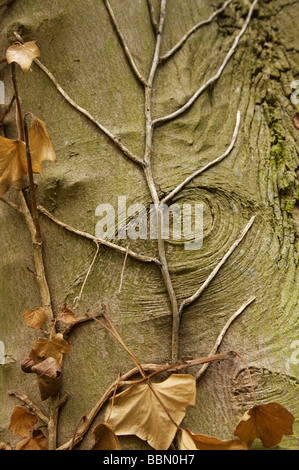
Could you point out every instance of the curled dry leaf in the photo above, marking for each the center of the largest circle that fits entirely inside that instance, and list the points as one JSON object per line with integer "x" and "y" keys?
{"x": 48, "y": 372}
{"x": 37, "y": 441}
{"x": 268, "y": 422}
{"x": 35, "y": 318}
{"x": 49, "y": 368}
{"x": 140, "y": 411}
{"x": 105, "y": 438}
{"x": 66, "y": 315}
{"x": 28, "y": 362}
{"x": 22, "y": 54}
{"x": 22, "y": 421}
{"x": 54, "y": 347}
{"x": 13, "y": 164}
{"x": 190, "y": 441}
{"x": 48, "y": 386}
{"x": 41, "y": 148}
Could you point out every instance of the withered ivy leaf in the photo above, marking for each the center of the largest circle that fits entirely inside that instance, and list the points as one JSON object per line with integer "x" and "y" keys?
{"x": 48, "y": 386}
{"x": 22, "y": 54}
{"x": 35, "y": 318}
{"x": 138, "y": 411}
{"x": 13, "y": 164}
{"x": 54, "y": 347}
{"x": 268, "y": 422}
{"x": 190, "y": 441}
{"x": 105, "y": 438}
{"x": 22, "y": 421}
{"x": 37, "y": 441}
{"x": 49, "y": 368}
{"x": 40, "y": 144}
{"x": 66, "y": 315}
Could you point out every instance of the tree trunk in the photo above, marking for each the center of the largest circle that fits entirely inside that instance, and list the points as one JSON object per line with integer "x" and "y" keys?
{"x": 79, "y": 44}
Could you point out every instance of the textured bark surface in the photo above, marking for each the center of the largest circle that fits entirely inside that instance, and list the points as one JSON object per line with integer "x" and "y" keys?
{"x": 260, "y": 177}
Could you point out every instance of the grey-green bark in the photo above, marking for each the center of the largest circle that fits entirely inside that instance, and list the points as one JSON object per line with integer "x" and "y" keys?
{"x": 79, "y": 45}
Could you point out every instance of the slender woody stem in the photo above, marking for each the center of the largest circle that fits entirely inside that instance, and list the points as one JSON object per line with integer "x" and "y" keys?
{"x": 151, "y": 184}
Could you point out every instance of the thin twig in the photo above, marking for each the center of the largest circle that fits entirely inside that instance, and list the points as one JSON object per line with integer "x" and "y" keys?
{"x": 123, "y": 271}
{"x": 152, "y": 16}
{"x": 83, "y": 419}
{"x": 32, "y": 185}
{"x": 78, "y": 299}
{"x": 132, "y": 254}
{"x": 33, "y": 407}
{"x": 193, "y": 30}
{"x": 249, "y": 375}
{"x": 116, "y": 335}
{"x": 152, "y": 186}
{"x": 19, "y": 116}
{"x": 198, "y": 293}
{"x": 86, "y": 113}
{"x": 10, "y": 204}
{"x": 213, "y": 79}
{"x": 209, "y": 165}
{"x": 124, "y": 44}
{"x": 223, "y": 332}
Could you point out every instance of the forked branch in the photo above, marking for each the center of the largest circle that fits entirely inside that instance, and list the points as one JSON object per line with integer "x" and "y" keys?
{"x": 213, "y": 79}
{"x": 180, "y": 43}
{"x": 198, "y": 293}
{"x": 124, "y": 44}
{"x": 86, "y": 113}
{"x": 206, "y": 167}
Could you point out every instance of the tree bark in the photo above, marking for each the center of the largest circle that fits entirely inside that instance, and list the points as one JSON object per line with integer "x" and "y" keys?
{"x": 79, "y": 44}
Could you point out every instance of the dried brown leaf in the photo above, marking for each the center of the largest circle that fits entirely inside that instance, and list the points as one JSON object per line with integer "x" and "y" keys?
{"x": 190, "y": 441}
{"x": 54, "y": 347}
{"x": 268, "y": 422}
{"x": 48, "y": 387}
{"x": 13, "y": 164}
{"x": 41, "y": 148}
{"x": 105, "y": 438}
{"x": 35, "y": 318}
{"x": 38, "y": 441}
{"x": 22, "y": 54}
{"x": 49, "y": 368}
{"x": 66, "y": 315}
{"x": 27, "y": 363}
{"x": 22, "y": 421}
{"x": 138, "y": 411}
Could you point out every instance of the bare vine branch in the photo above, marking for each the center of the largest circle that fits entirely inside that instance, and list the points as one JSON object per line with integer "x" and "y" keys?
{"x": 206, "y": 167}
{"x": 132, "y": 254}
{"x": 223, "y": 332}
{"x": 213, "y": 79}
{"x": 77, "y": 299}
{"x": 86, "y": 113}
{"x": 152, "y": 16}
{"x": 198, "y": 293}
{"x": 193, "y": 30}
{"x": 124, "y": 44}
